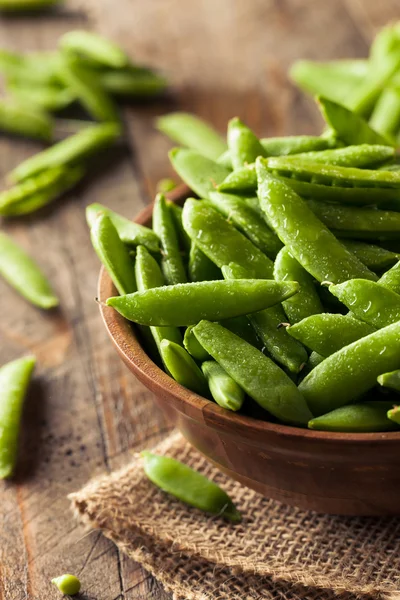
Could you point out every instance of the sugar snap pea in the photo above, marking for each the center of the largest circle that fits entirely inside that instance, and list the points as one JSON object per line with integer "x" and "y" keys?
{"x": 225, "y": 391}
{"x": 351, "y": 371}
{"x": 362, "y": 155}
{"x": 266, "y": 323}
{"x": 200, "y": 267}
{"x": 71, "y": 150}
{"x": 242, "y": 181}
{"x": 132, "y": 83}
{"x": 373, "y": 257}
{"x": 356, "y": 418}
{"x": 38, "y": 191}
{"x": 244, "y": 146}
{"x": 188, "y": 485}
{"x": 327, "y": 333}
{"x": 113, "y": 254}
{"x": 369, "y": 301}
{"x": 23, "y": 119}
{"x": 163, "y": 225}
{"x": 194, "y": 133}
{"x": 221, "y": 242}
{"x": 14, "y": 380}
{"x": 69, "y": 585}
{"x": 22, "y": 273}
{"x": 385, "y": 117}
{"x": 48, "y": 97}
{"x": 193, "y": 347}
{"x": 131, "y": 233}
{"x": 314, "y": 359}
{"x": 248, "y": 221}
{"x": 187, "y": 303}
{"x": 257, "y": 374}
{"x": 309, "y": 241}
{"x": 394, "y": 414}
{"x": 185, "y": 242}
{"x": 357, "y": 222}
{"x": 390, "y": 380}
{"x": 391, "y": 279}
{"x": 307, "y": 301}
{"x": 148, "y": 276}
{"x": 94, "y": 47}
{"x": 30, "y": 68}
{"x": 200, "y": 173}
{"x": 85, "y": 86}
{"x": 182, "y": 367}
{"x": 349, "y": 126}
{"x": 26, "y": 5}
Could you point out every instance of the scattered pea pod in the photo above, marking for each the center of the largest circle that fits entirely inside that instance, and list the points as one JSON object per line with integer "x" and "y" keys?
{"x": 309, "y": 241}
{"x": 71, "y": 150}
{"x": 255, "y": 373}
{"x": 352, "y": 371}
{"x": 94, "y": 47}
{"x": 48, "y": 97}
{"x": 357, "y": 418}
{"x": 69, "y": 585}
{"x": 14, "y": 380}
{"x": 163, "y": 225}
{"x": 188, "y": 303}
{"x": 22, "y": 273}
{"x": 192, "y": 132}
{"x": 224, "y": 389}
{"x": 130, "y": 83}
{"x": 189, "y": 486}
{"x": 24, "y": 119}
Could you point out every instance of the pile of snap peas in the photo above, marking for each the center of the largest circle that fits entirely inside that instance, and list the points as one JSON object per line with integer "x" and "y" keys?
{"x": 279, "y": 283}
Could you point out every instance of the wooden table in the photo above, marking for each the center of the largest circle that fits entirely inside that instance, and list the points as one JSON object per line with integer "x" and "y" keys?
{"x": 85, "y": 413}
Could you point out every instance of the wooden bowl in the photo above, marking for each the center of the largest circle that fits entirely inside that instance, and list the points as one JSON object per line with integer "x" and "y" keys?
{"x": 340, "y": 473}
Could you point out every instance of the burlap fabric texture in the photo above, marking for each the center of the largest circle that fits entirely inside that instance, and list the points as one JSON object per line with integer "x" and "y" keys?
{"x": 277, "y": 552}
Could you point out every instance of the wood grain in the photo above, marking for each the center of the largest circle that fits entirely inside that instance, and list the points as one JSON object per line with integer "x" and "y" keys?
{"x": 86, "y": 413}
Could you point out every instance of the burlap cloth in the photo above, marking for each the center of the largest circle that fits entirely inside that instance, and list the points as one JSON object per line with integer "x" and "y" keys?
{"x": 277, "y": 552}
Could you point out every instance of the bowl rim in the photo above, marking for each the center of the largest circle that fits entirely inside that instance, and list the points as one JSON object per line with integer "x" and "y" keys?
{"x": 129, "y": 347}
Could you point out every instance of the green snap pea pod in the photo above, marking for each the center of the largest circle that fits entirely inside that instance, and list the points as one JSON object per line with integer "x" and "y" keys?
{"x": 22, "y": 273}
{"x": 132, "y": 234}
{"x": 391, "y": 279}
{"x": 225, "y": 159}
{"x": 369, "y": 301}
{"x": 350, "y": 127}
{"x": 27, "y": 120}
{"x": 314, "y": 359}
{"x": 242, "y": 327}
{"x": 362, "y": 155}
{"x": 30, "y": 68}
{"x": 130, "y": 83}
{"x": 183, "y": 368}
{"x": 187, "y": 303}
{"x": 390, "y": 380}
{"x": 14, "y": 380}
{"x": 113, "y": 254}
{"x": 148, "y": 276}
{"x": 307, "y": 301}
{"x": 69, "y": 585}
{"x": 254, "y": 372}
{"x": 185, "y": 242}
{"x": 87, "y": 89}
{"x": 327, "y": 333}
{"x": 163, "y": 225}
{"x": 351, "y": 371}
{"x": 194, "y": 133}
{"x": 200, "y": 173}
{"x": 26, "y": 5}
{"x": 327, "y": 174}
{"x": 225, "y": 391}
{"x": 357, "y": 418}
{"x": 244, "y": 146}
{"x": 248, "y": 221}
{"x": 373, "y": 257}
{"x": 32, "y": 194}
{"x": 48, "y": 97}
{"x": 193, "y": 347}
{"x": 71, "y": 150}
{"x": 221, "y": 242}
{"x": 241, "y": 181}
{"x": 357, "y": 222}
{"x": 266, "y": 323}
{"x": 189, "y": 486}
{"x": 385, "y": 117}
{"x": 200, "y": 267}
{"x": 94, "y": 47}
{"x": 334, "y": 79}
{"x": 307, "y": 238}
{"x": 394, "y": 414}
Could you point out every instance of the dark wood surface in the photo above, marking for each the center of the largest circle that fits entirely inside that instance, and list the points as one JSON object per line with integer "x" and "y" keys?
{"x": 86, "y": 413}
